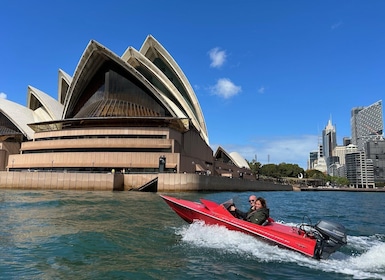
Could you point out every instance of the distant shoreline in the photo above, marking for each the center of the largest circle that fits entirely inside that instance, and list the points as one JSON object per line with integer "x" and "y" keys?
{"x": 343, "y": 189}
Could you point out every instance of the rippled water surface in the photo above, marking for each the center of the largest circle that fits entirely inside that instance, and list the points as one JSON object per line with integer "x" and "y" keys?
{"x": 131, "y": 235}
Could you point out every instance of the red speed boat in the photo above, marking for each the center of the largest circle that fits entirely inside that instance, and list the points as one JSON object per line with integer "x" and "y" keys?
{"x": 318, "y": 241}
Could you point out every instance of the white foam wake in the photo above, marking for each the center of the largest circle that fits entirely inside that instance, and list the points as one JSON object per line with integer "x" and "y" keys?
{"x": 362, "y": 258}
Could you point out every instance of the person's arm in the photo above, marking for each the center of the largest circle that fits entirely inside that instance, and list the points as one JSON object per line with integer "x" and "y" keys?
{"x": 258, "y": 217}
{"x": 240, "y": 214}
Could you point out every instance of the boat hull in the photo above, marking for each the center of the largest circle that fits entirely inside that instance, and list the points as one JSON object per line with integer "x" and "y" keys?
{"x": 212, "y": 213}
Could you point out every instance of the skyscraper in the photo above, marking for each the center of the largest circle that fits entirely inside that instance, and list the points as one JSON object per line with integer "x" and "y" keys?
{"x": 367, "y": 129}
{"x": 329, "y": 142}
{"x": 366, "y": 124}
{"x": 359, "y": 170}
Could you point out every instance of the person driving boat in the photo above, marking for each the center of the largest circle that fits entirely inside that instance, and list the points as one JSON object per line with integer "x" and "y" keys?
{"x": 257, "y": 213}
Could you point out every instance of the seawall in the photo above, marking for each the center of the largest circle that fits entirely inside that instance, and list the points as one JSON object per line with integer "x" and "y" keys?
{"x": 166, "y": 182}
{"x": 342, "y": 189}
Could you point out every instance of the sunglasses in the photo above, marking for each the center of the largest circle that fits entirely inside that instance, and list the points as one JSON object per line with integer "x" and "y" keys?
{"x": 252, "y": 200}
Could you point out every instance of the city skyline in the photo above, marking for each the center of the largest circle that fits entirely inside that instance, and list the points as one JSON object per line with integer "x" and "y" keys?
{"x": 267, "y": 78}
{"x": 369, "y": 120}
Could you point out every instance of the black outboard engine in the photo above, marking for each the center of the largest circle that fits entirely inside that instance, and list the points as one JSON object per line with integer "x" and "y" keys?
{"x": 332, "y": 237}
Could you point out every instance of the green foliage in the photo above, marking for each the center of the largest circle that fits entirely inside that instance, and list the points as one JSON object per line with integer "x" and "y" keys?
{"x": 270, "y": 170}
{"x": 290, "y": 170}
{"x": 333, "y": 180}
{"x": 285, "y": 170}
{"x": 276, "y": 171}
{"x": 254, "y": 166}
{"x": 315, "y": 174}
{"x": 337, "y": 181}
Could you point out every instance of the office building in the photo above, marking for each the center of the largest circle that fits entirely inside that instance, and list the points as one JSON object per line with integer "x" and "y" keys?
{"x": 375, "y": 151}
{"x": 366, "y": 124}
{"x": 359, "y": 170}
{"x": 329, "y": 142}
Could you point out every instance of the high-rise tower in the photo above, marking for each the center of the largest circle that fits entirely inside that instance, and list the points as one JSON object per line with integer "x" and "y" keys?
{"x": 364, "y": 166}
{"x": 366, "y": 124}
{"x": 329, "y": 142}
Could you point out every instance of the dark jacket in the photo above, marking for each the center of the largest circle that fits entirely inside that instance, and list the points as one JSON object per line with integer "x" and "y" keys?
{"x": 258, "y": 216}
{"x": 242, "y": 215}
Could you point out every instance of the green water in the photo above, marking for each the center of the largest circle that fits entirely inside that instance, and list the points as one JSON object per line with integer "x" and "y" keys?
{"x": 132, "y": 235}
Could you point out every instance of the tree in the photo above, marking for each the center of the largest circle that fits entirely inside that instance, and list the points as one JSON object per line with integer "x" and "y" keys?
{"x": 270, "y": 170}
{"x": 255, "y": 166}
{"x": 339, "y": 181}
{"x": 274, "y": 170}
{"x": 290, "y": 170}
{"x": 315, "y": 174}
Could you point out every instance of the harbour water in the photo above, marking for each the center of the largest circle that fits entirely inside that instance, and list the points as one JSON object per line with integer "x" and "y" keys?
{"x": 133, "y": 235}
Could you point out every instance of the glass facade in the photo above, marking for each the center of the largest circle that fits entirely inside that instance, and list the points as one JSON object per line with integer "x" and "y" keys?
{"x": 367, "y": 124}
{"x": 375, "y": 150}
{"x": 118, "y": 96}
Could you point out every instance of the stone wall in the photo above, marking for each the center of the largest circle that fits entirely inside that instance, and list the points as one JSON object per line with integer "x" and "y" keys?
{"x": 167, "y": 182}
{"x": 57, "y": 181}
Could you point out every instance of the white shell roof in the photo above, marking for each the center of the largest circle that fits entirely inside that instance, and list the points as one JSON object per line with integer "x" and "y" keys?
{"x": 151, "y": 42}
{"x": 52, "y": 107}
{"x": 134, "y": 57}
{"x": 235, "y": 157}
{"x": 92, "y": 59}
{"x": 19, "y": 115}
{"x": 239, "y": 160}
{"x": 62, "y": 77}
{"x": 180, "y": 104}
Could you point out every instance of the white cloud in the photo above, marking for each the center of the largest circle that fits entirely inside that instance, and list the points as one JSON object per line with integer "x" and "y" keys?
{"x": 3, "y": 95}
{"x": 336, "y": 25}
{"x": 288, "y": 149}
{"x": 262, "y": 89}
{"x": 225, "y": 88}
{"x": 218, "y": 57}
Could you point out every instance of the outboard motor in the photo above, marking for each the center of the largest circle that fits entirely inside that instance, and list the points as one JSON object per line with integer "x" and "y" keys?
{"x": 332, "y": 237}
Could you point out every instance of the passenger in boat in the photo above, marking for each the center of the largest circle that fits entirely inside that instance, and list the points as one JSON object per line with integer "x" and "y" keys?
{"x": 261, "y": 212}
{"x": 258, "y": 212}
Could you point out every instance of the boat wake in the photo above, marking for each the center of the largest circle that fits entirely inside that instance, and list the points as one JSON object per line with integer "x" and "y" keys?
{"x": 363, "y": 257}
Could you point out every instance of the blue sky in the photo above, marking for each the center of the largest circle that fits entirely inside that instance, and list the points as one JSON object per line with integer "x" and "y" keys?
{"x": 268, "y": 74}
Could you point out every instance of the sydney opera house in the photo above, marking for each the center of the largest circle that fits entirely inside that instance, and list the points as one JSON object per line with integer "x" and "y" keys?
{"x": 134, "y": 114}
